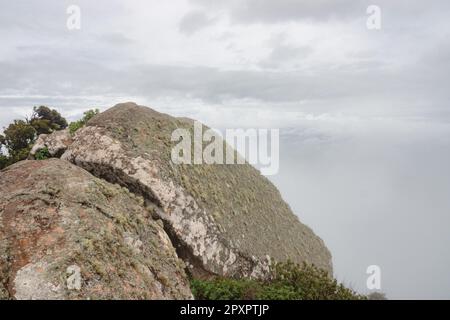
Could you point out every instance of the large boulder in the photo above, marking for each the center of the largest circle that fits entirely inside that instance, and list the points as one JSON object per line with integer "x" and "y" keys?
{"x": 223, "y": 219}
{"x": 55, "y": 143}
{"x": 65, "y": 234}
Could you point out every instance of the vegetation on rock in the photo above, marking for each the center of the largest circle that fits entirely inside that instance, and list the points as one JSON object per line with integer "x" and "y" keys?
{"x": 18, "y": 138}
{"x": 88, "y": 115}
{"x": 42, "y": 154}
{"x": 287, "y": 281}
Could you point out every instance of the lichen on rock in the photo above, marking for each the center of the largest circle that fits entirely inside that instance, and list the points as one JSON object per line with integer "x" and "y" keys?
{"x": 223, "y": 219}
{"x": 65, "y": 234}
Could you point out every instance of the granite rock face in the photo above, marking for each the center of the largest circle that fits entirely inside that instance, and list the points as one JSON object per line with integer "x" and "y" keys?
{"x": 56, "y": 143}
{"x": 65, "y": 234}
{"x": 223, "y": 219}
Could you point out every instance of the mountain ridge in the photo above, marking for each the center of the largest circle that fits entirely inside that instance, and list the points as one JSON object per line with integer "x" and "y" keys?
{"x": 223, "y": 220}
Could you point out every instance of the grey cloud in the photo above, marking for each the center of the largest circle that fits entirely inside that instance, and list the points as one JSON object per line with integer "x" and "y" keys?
{"x": 50, "y": 17}
{"x": 194, "y": 21}
{"x": 289, "y": 10}
{"x": 282, "y": 11}
{"x": 283, "y": 53}
{"x": 268, "y": 11}
{"x": 115, "y": 39}
{"x": 63, "y": 75}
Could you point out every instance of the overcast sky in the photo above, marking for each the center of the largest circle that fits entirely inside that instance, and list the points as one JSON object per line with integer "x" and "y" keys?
{"x": 364, "y": 114}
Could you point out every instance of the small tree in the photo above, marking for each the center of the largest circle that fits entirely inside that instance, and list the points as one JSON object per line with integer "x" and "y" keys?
{"x": 19, "y": 136}
{"x": 45, "y": 120}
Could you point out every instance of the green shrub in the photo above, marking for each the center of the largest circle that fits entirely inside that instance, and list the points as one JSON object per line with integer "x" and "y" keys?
{"x": 287, "y": 281}
{"x": 74, "y": 126}
{"x": 42, "y": 154}
{"x": 377, "y": 296}
{"x": 224, "y": 289}
{"x": 88, "y": 115}
{"x": 18, "y": 138}
{"x": 4, "y": 161}
{"x": 46, "y": 120}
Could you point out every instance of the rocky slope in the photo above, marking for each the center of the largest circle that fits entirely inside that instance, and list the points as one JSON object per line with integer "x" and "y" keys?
{"x": 222, "y": 219}
{"x": 65, "y": 234}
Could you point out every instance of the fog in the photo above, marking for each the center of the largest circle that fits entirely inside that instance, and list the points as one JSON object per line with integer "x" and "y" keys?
{"x": 378, "y": 197}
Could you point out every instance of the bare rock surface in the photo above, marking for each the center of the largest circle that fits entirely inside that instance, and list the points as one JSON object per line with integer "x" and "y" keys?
{"x": 223, "y": 219}
{"x": 65, "y": 234}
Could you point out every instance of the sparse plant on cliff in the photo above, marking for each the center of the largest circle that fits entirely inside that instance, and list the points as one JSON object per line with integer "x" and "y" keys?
{"x": 287, "y": 281}
{"x": 42, "y": 154}
{"x": 88, "y": 115}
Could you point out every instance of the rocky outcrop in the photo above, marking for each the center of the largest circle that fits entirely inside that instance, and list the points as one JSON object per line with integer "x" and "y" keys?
{"x": 223, "y": 219}
{"x": 56, "y": 143}
{"x": 65, "y": 234}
